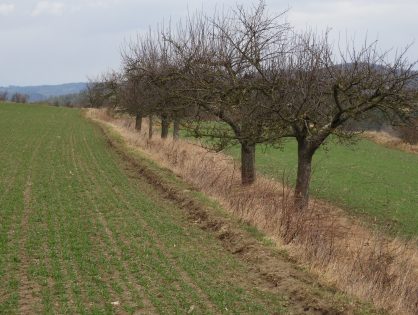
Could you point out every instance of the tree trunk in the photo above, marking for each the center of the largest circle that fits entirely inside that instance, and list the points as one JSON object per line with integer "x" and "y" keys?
{"x": 247, "y": 163}
{"x": 176, "y": 128}
{"x": 305, "y": 154}
{"x": 150, "y": 122}
{"x": 165, "y": 125}
{"x": 138, "y": 121}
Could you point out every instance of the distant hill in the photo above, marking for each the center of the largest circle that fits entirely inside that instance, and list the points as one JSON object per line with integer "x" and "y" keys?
{"x": 44, "y": 92}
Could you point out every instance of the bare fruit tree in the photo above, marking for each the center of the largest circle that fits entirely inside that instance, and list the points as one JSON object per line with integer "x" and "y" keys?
{"x": 104, "y": 91}
{"x": 150, "y": 62}
{"x": 324, "y": 88}
{"x": 3, "y": 96}
{"x": 19, "y": 98}
{"x": 221, "y": 57}
{"x": 246, "y": 77}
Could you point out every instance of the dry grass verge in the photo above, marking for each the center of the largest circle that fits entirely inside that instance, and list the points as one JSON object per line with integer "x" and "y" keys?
{"x": 390, "y": 141}
{"x": 339, "y": 249}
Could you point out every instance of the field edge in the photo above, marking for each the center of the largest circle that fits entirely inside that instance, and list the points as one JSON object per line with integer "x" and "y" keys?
{"x": 238, "y": 238}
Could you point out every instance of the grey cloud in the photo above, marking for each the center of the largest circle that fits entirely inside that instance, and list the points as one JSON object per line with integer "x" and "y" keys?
{"x": 6, "y": 8}
{"x": 53, "y": 41}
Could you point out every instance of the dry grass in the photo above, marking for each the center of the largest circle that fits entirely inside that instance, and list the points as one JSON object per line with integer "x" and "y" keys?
{"x": 339, "y": 249}
{"x": 390, "y": 141}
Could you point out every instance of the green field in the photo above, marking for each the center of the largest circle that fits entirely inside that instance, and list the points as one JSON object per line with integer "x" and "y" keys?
{"x": 365, "y": 178}
{"x": 79, "y": 234}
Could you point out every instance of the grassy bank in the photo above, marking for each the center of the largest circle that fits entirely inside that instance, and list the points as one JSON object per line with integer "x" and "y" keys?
{"x": 366, "y": 178}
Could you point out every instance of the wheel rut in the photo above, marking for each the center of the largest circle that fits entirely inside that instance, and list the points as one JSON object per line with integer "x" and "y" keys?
{"x": 271, "y": 270}
{"x": 186, "y": 278}
{"x": 29, "y": 290}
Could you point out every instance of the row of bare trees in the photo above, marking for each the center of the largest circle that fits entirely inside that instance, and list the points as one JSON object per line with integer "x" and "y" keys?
{"x": 3, "y": 96}
{"x": 246, "y": 77}
{"x": 15, "y": 97}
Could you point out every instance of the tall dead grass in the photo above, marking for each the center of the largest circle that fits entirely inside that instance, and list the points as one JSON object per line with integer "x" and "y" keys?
{"x": 339, "y": 249}
{"x": 390, "y": 141}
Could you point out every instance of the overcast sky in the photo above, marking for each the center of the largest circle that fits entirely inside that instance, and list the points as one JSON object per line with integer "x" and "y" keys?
{"x": 50, "y": 42}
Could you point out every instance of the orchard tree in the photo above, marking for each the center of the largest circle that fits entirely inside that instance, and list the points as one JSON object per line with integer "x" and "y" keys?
{"x": 220, "y": 57}
{"x": 112, "y": 84}
{"x": 151, "y": 62}
{"x": 105, "y": 90}
{"x": 132, "y": 98}
{"x": 19, "y": 98}
{"x": 324, "y": 89}
{"x": 3, "y": 96}
{"x": 94, "y": 91}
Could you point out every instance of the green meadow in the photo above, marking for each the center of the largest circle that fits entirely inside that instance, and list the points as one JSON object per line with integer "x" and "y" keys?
{"x": 80, "y": 236}
{"x": 364, "y": 178}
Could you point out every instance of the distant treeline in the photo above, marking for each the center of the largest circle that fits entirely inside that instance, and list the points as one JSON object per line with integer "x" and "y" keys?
{"x": 41, "y": 93}
{"x": 70, "y": 100}
{"x": 15, "y": 97}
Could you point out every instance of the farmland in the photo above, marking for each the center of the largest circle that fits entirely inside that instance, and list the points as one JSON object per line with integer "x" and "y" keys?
{"x": 366, "y": 178}
{"x": 80, "y": 234}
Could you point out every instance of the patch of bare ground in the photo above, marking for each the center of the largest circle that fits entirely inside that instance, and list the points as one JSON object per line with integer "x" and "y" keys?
{"x": 390, "y": 141}
{"x": 338, "y": 248}
{"x": 269, "y": 269}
